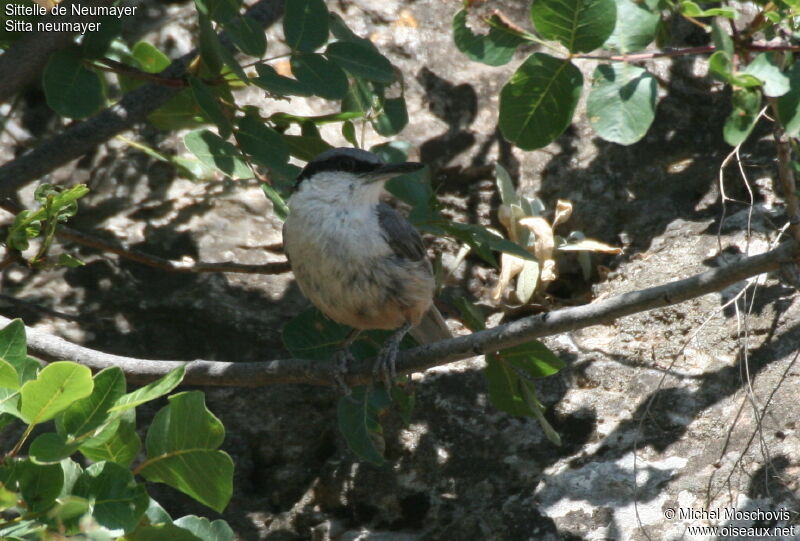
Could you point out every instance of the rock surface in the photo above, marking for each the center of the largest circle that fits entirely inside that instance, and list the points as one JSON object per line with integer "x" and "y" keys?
{"x": 691, "y": 407}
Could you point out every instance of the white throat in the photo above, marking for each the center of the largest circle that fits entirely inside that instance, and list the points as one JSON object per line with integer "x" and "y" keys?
{"x": 338, "y": 189}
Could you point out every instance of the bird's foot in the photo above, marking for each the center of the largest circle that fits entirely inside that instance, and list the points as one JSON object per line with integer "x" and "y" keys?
{"x": 386, "y": 365}
{"x": 342, "y": 360}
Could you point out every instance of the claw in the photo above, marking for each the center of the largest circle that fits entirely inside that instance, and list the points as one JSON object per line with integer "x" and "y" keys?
{"x": 386, "y": 366}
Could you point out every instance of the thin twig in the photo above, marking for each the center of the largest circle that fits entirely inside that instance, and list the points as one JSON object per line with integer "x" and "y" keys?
{"x": 203, "y": 372}
{"x": 118, "y": 67}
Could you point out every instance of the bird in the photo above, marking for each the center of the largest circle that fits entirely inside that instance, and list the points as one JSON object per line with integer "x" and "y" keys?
{"x": 359, "y": 261}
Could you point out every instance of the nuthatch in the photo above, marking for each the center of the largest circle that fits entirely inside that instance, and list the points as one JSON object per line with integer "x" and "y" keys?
{"x": 359, "y": 261}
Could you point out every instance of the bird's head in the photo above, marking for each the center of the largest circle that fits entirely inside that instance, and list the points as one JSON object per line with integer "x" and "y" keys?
{"x": 352, "y": 169}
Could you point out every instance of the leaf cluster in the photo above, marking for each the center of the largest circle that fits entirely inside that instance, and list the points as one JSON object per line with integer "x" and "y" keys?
{"x": 57, "y": 204}
{"x": 539, "y": 100}
{"x": 44, "y": 488}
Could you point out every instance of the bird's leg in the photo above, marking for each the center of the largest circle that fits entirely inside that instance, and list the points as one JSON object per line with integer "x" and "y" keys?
{"x": 343, "y": 358}
{"x": 385, "y": 365}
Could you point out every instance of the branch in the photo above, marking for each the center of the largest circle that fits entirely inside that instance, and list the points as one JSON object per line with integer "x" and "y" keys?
{"x": 81, "y": 137}
{"x": 132, "y": 254}
{"x": 704, "y": 49}
{"x": 252, "y": 374}
{"x": 26, "y": 58}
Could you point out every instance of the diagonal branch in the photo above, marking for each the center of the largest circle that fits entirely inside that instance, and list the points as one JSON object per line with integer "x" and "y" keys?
{"x": 202, "y": 372}
{"x": 81, "y": 137}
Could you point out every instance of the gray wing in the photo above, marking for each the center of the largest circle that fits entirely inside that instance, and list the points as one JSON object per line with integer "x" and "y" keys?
{"x": 404, "y": 240}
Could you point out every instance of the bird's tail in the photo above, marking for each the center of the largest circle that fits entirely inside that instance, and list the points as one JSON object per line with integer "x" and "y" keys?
{"x": 431, "y": 328}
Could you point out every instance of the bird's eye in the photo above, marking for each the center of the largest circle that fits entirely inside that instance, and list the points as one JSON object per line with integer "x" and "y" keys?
{"x": 348, "y": 165}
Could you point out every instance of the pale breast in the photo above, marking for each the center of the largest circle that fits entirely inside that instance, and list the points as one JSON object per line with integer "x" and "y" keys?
{"x": 345, "y": 267}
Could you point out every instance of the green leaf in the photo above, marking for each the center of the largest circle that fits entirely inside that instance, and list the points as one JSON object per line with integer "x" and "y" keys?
{"x": 72, "y": 470}
{"x": 161, "y": 532}
{"x": 765, "y": 67}
{"x": 182, "y": 451}
{"x": 230, "y": 60}
{"x": 69, "y": 261}
{"x": 323, "y": 77}
{"x": 95, "y": 44}
{"x": 208, "y": 103}
{"x": 13, "y": 345}
{"x": 305, "y": 24}
{"x": 537, "y": 103}
{"x": 504, "y": 388}
{"x": 262, "y": 143}
{"x": 121, "y": 446}
{"x": 38, "y": 484}
{"x": 349, "y": 133}
{"x": 57, "y": 386}
{"x": 215, "y": 152}
{"x": 392, "y": 151}
{"x": 722, "y": 40}
{"x": 51, "y": 447}
{"x": 471, "y": 314}
{"x": 72, "y": 90}
{"x": 9, "y": 378}
{"x": 7, "y": 498}
{"x": 179, "y": 113}
{"x": 494, "y": 49}
{"x": 23, "y": 530}
{"x": 28, "y": 369}
{"x": 622, "y": 103}
{"x": 310, "y": 335}
{"x": 533, "y": 358}
{"x": 788, "y": 104}
{"x": 9, "y": 402}
{"x": 342, "y": 32}
{"x": 157, "y": 514}
{"x": 205, "y": 529}
{"x": 248, "y": 35}
{"x": 691, "y": 9}
{"x": 393, "y": 118}
{"x": 415, "y": 189}
{"x": 361, "y": 61}
{"x": 638, "y": 23}
{"x": 529, "y": 395}
{"x": 119, "y": 501}
{"x": 83, "y": 417}
{"x": 269, "y": 80}
{"x": 746, "y": 105}
{"x": 279, "y": 206}
{"x": 285, "y": 119}
{"x": 357, "y": 416}
{"x": 149, "y": 57}
{"x": 580, "y": 25}
{"x": 306, "y": 148}
{"x": 360, "y": 97}
{"x": 68, "y": 507}
{"x": 483, "y": 241}
{"x": 720, "y": 65}
{"x": 220, "y": 11}
{"x": 210, "y": 46}
{"x": 151, "y": 391}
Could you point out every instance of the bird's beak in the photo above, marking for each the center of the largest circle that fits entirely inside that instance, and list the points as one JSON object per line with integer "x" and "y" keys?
{"x": 391, "y": 170}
